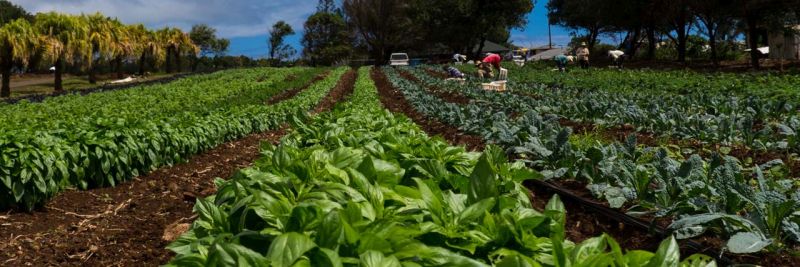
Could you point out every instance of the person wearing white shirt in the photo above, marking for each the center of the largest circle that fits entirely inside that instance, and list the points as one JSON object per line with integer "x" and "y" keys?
{"x": 617, "y": 57}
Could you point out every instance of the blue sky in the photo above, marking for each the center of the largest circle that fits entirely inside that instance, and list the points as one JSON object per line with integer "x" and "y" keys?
{"x": 247, "y": 22}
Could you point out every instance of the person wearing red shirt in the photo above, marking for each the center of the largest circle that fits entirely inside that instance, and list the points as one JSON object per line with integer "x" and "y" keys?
{"x": 494, "y": 60}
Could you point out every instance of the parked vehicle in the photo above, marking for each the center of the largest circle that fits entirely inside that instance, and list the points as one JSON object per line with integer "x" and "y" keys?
{"x": 399, "y": 59}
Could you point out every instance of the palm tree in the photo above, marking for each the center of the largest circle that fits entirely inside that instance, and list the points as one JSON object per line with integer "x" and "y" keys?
{"x": 101, "y": 38}
{"x": 65, "y": 39}
{"x": 18, "y": 40}
{"x": 177, "y": 43}
{"x": 148, "y": 44}
{"x": 124, "y": 44}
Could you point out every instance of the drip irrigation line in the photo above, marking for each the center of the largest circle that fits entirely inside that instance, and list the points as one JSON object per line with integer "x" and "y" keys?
{"x": 621, "y": 217}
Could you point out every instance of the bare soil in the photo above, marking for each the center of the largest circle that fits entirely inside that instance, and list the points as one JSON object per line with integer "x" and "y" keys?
{"x": 343, "y": 88}
{"x": 294, "y": 91}
{"x": 123, "y": 225}
{"x": 394, "y": 100}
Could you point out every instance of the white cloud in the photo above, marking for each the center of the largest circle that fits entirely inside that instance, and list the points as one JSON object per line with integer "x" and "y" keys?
{"x": 232, "y": 18}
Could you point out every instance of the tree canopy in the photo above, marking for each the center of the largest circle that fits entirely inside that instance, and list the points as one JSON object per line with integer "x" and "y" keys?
{"x": 10, "y": 12}
{"x": 326, "y": 38}
{"x": 278, "y": 50}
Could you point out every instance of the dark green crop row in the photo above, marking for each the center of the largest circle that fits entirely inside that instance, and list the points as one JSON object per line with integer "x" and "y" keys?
{"x": 712, "y": 118}
{"x": 363, "y": 187}
{"x": 104, "y": 138}
{"x": 754, "y": 206}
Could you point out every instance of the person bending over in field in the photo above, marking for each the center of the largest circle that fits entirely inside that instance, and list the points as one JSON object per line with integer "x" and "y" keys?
{"x": 493, "y": 60}
{"x": 484, "y": 70}
{"x": 453, "y": 72}
{"x": 561, "y": 62}
{"x": 617, "y": 57}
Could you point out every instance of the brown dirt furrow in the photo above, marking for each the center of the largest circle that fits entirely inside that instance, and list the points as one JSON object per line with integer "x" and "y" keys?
{"x": 293, "y": 92}
{"x": 583, "y": 223}
{"x": 343, "y": 88}
{"x": 396, "y": 102}
{"x": 123, "y": 225}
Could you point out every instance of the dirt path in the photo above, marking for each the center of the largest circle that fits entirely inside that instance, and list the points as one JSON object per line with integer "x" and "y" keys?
{"x": 37, "y": 80}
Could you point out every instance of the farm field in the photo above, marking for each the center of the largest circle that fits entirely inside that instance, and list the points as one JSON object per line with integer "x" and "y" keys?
{"x": 400, "y": 133}
{"x": 330, "y": 166}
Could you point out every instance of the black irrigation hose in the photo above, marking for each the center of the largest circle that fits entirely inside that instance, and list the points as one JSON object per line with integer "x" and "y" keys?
{"x": 628, "y": 220}
{"x": 102, "y": 88}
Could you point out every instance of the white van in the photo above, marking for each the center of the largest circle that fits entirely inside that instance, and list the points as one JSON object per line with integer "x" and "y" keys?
{"x": 398, "y": 59}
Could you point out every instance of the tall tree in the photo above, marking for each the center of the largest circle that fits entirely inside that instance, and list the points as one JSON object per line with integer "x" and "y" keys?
{"x": 18, "y": 40}
{"x": 681, "y": 22}
{"x": 177, "y": 44}
{"x": 10, "y": 12}
{"x": 383, "y": 25}
{"x": 65, "y": 39}
{"x": 278, "y": 50}
{"x": 221, "y": 46}
{"x": 149, "y": 46}
{"x": 495, "y": 18}
{"x": 101, "y": 37}
{"x": 205, "y": 37}
{"x": 713, "y": 15}
{"x": 326, "y": 39}
{"x": 581, "y": 15}
{"x": 124, "y": 44}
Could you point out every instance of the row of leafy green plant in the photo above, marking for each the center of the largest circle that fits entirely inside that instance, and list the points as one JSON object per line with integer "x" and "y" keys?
{"x": 759, "y": 123}
{"x": 104, "y": 138}
{"x": 363, "y": 187}
{"x": 754, "y": 207}
{"x": 761, "y": 84}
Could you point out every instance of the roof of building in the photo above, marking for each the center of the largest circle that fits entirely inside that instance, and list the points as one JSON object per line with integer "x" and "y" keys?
{"x": 489, "y": 46}
{"x": 549, "y": 54}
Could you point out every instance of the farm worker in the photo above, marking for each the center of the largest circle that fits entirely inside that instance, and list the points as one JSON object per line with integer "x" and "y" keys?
{"x": 493, "y": 59}
{"x": 453, "y": 72}
{"x": 484, "y": 70}
{"x": 617, "y": 57}
{"x": 458, "y": 58}
{"x": 583, "y": 55}
{"x": 561, "y": 62}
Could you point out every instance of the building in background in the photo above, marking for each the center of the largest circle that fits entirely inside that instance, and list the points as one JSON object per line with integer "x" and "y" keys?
{"x": 785, "y": 44}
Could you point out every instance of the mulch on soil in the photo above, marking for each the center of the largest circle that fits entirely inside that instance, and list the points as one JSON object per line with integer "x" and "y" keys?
{"x": 123, "y": 225}
{"x": 394, "y": 100}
